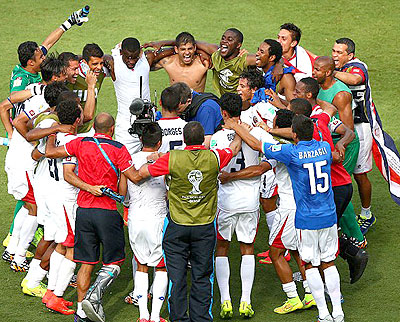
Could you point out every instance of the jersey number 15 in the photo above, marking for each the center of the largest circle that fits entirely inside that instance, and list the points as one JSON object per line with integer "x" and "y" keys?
{"x": 315, "y": 172}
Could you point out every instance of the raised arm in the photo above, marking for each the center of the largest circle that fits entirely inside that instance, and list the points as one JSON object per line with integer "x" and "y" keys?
{"x": 207, "y": 47}
{"x": 90, "y": 105}
{"x": 243, "y": 132}
{"x": 348, "y": 78}
{"x": 109, "y": 64}
{"x": 153, "y": 57}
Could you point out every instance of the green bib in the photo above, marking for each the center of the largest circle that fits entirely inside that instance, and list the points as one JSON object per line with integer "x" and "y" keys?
{"x": 80, "y": 87}
{"x": 45, "y": 116}
{"x": 329, "y": 94}
{"x": 226, "y": 73}
{"x": 193, "y": 186}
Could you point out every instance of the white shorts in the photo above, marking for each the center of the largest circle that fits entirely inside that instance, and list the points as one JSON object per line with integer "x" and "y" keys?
{"x": 121, "y": 135}
{"x": 268, "y": 186}
{"x": 364, "y": 161}
{"x": 18, "y": 185}
{"x": 283, "y": 232}
{"x": 316, "y": 246}
{"x": 244, "y": 224}
{"x": 145, "y": 237}
{"x": 40, "y": 196}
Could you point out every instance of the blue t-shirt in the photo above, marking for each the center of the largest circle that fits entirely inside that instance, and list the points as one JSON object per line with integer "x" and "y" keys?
{"x": 309, "y": 166}
{"x": 209, "y": 115}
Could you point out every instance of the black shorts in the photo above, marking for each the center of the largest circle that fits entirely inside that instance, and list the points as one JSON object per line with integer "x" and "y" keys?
{"x": 342, "y": 196}
{"x": 95, "y": 226}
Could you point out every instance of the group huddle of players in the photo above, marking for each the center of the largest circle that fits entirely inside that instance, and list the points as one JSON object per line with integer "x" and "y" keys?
{"x": 55, "y": 96}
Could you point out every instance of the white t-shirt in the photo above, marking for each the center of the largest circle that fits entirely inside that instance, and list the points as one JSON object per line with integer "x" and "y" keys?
{"x": 147, "y": 198}
{"x": 263, "y": 111}
{"x": 239, "y": 196}
{"x": 172, "y": 134}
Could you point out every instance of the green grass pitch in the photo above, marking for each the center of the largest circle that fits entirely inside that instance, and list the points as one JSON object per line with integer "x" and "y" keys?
{"x": 373, "y": 25}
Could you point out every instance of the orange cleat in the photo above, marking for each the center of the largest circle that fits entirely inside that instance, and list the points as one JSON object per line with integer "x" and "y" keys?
{"x": 57, "y": 304}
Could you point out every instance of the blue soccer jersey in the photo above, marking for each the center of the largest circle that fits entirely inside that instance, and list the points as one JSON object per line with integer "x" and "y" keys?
{"x": 309, "y": 166}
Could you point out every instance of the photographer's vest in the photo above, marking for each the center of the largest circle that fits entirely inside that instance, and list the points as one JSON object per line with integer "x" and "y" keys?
{"x": 193, "y": 186}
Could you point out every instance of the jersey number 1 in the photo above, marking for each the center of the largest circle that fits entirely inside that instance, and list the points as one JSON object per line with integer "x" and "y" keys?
{"x": 315, "y": 171}
{"x": 53, "y": 169}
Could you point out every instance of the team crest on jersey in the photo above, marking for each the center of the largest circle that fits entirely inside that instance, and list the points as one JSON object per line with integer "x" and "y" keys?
{"x": 195, "y": 177}
{"x": 276, "y": 147}
{"x": 17, "y": 81}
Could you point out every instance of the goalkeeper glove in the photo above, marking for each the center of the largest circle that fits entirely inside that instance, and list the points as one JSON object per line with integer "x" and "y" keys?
{"x": 75, "y": 18}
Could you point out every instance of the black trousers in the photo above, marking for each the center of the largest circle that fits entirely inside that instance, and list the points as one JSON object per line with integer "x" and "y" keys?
{"x": 197, "y": 244}
{"x": 342, "y": 196}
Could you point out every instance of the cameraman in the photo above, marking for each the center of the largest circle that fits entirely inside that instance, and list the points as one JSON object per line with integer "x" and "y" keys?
{"x": 97, "y": 219}
{"x": 200, "y": 107}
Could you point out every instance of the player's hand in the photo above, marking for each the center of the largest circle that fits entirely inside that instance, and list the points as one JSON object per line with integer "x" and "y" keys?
{"x": 264, "y": 126}
{"x": 243, "y": 52}
{"x": 336, "y": 157}
{"x": 275, "y": 100}
{"x": 37, "y": 89}
{"x": 340, "y": 149}
{"x": 277, "y": 72}
{"x": 224, "y": 177}
{"x": 95, "y": 190}
{"x": 152, "y": 44}
{"x": 74, "y": 19}
{"x": 109, "y": 64}
{"x": 66, "y": 128}
{"x": 91, "y": 79}
{"x": 154, "y": 156}
{"x": 246, "y": 126}
{"x": 229, "y": 124}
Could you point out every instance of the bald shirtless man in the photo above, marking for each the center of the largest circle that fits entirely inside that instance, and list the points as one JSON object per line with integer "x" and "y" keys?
{"x": 185, "y": 66}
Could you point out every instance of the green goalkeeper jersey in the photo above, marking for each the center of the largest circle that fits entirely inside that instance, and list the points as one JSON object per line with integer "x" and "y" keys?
{"x": 80, "y": 87}
{"x": 226, "y": 72}
{"x": 20, "y": 78}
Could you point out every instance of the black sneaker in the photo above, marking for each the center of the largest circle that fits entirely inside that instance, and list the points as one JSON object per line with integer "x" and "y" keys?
{"x": 357, "y": 265}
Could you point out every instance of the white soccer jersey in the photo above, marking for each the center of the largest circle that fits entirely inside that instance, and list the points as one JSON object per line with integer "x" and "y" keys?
{"x": 147, "y": 198}
{"x": 334, "y": 123}
{"x": 172, "y": 133}
{"x": 285, "y": 190}
{"x": 303, "y": 62}
{"x": 259, "y": 112}
{"x": 239, "y": 196}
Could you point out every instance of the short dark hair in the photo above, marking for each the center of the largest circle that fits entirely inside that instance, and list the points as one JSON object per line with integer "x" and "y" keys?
{"x": 254, "y": 78}
{"x": 294, "y": 30}
{"x": 67, "y": 95}
{"x": 170, "y": 99}
{"x": 67, "y": 56}
{"x": 311, "y": 86}
{"x": 303, "y": 126}
{"x": 231, "y": 103}
{"x": 301, "y": 106}
{"x": 184, "y": 91}
{"x": 238, "y": 34}
{"x": 275, "y": 49}
{"x": 284, "y": 118}
{"x": 152, "y": 134}
{"x": 351, "y": 46}
{"x": 51, "y": 66}
{"x": 53, "y": 91}
{"x": 91, "y": 50}
{"x": 68, "y": 111}
{"x": 103, "y": 122}
{"x": 193, "y": 133}
{"x": 130, "y": 44}
{"x": 184, "y": 38}
{"x": 26, "y": 51}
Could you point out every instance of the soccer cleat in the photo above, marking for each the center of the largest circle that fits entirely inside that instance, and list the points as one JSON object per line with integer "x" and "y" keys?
{"x": 23, "y": 267}
{"x": 263, "y": 254}
{"x": 246, "y": 310}
{"x": 49, "y": 294}
{"x": 339, "y": 318}
{"x": 297, "y": 277}
{"x": 357, "y": 243}
{"x": 308, "y": 301}
{"x": 226, "y": 310}
{"x": 131, "y": 299}
{"x": 7, "y": 257}
{"x": 73, "y": 282}
{"x": 290, "y": 305}
{"x": 38, "y": 236}
{"x": 328, "y": 318}
{"x": 24, "y": 282}
{"x": 57, "y": 304}
{"x": 37, "y": 291}
{"x": 94, "y": 310}
{"x": 29, "y": 254}
{"x": 6, "y": 240}
{"x": 357, "y": 265}
{"x": 268, "y": 260}
{"x": 366, "y": 223}
{"x": 77, "y": 318}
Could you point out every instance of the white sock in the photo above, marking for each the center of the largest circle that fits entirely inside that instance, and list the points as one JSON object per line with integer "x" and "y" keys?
{"x": 290, "y": 289}
{"x": 222, "y": 272}
{"x": 32, "y": 267}
{"x": 366, "y": 212}
{"x": 270, "y": 216}
{"x": 25, "y": 237}
{"x": 65, "y": 273}
{"x": 55, "y": 263}
{"x": 306, "y": 287}
{"x": 79, "y": 310}
{"x": 18, "y": 223}
{"x": 332, "y": 281}
{"x": 317, "y": 289}
{"x": 247, "y": 269}
{"x": 36, "y": 277}
{"x": 141, "y": 287}
{"x": 160, "y": 285}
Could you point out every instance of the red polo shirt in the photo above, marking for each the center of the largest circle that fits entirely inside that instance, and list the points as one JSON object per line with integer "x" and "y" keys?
{"x": 161, "y": 166}
{"x": 94, "y": 169}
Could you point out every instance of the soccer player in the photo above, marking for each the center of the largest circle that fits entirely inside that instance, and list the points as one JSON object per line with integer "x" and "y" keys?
{"x": 234, "y": 214}
{"x": 308, "y": 162}
{"x": 147, "y": 211}
{"x": 354, "y": 73}
{"x": 88, "y": 83}
{"x": 293, "y": 54}
{"x": 71, "y": 62}
{"x": 186, "y": 65}
{"x": 171, "y": 124}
